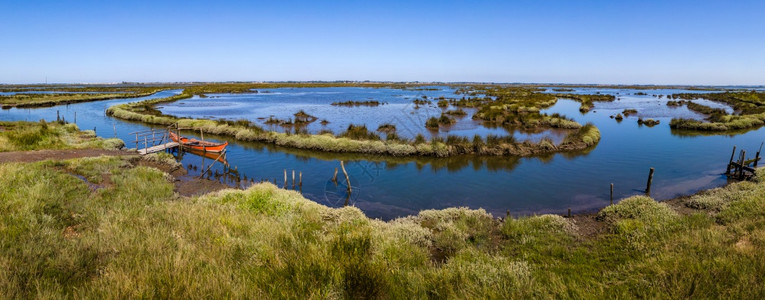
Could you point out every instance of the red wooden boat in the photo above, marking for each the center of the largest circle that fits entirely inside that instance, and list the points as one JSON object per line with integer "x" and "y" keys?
{"x": 200, "y": 145}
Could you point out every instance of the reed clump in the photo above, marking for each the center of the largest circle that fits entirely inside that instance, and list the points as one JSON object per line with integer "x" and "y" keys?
{"x": 360, "y": 132}
{"x": 386, "y": 128}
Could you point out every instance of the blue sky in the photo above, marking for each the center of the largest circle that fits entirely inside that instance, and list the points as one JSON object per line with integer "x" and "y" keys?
{"x": 640, "y": 42}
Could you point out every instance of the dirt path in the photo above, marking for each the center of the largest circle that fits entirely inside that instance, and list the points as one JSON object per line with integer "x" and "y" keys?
{"x": 33, "y": 156}
{"x": 186, "y": 185}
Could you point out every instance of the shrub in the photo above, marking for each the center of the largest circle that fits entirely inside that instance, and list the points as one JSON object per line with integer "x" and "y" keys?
{"x": 359, "y": 132}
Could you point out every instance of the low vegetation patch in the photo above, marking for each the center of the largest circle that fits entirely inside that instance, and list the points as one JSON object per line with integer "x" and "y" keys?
{"x": 629, "y": 111}
{"x": 358, "y": 103}
{"x": 53, "y": 98}
{"x": 648, "y": 122}
{"x": 386, "y": 128}
{"x": 459, "y": 112}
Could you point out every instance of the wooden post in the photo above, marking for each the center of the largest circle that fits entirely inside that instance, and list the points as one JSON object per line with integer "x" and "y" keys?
{"x": 75, "y": 117}
{"x": 727, "y": 170}
{"x": 507, "y": 214}
{"x": 293, "y": 179}
{"x": 648, "y": 186}
{"x": 569, "y": 212}
{"x": 57, "y": 116}
{"x": 334, "y": 177}
{"x": 612, "y": 194}
{"x": 301, "y": 179}
{"x": 114, "y": 126}
{"x": 285, "y": 178}
{"x": 146, "y": 141}
{"x": 201, "y": 134}
{"x": 347, "y": 178}
{"x": 756, "y": 159}
{"x": 741, "y": 164}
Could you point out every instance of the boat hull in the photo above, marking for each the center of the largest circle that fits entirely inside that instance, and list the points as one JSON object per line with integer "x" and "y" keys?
{"x": 195, "y": 144}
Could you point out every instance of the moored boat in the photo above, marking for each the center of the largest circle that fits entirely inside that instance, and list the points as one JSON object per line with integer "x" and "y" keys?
{"x": 201, "y": 145}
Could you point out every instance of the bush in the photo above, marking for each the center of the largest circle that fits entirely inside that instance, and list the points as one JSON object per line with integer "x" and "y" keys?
{"x": 432, "y": 123}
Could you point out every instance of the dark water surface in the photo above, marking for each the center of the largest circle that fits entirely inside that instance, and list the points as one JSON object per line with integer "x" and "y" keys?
{"x": 392, "y": 187}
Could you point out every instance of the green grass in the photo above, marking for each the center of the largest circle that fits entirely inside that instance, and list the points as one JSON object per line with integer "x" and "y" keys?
{"x": 25, "y": 136}
{"x": 134, "y": 238}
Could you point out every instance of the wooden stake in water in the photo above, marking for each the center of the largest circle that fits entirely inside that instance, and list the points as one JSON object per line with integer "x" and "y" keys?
{"x": 650, "y": 180}
{"x": 741, "y": 164}
{"x": 347, "y": 178}
{"x": 293, "y": 179}
{"x": 285, "y": 178}
{"x": 612, "y": 194}
{"x": 727, "y": 170}
{"x": 75, "y": 117}
{"x": 301, "y": 179}
{"x": 334, "y": 177}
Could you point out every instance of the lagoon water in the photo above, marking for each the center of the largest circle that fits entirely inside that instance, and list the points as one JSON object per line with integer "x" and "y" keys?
{"x": 392, "y": 187}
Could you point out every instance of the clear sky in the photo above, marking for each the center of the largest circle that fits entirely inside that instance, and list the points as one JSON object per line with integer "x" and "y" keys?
{"x": 622, "y": 42}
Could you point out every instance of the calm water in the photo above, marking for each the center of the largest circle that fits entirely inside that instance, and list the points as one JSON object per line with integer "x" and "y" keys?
{"x": 387, "y": 188}
{"x": 397, "y": 108}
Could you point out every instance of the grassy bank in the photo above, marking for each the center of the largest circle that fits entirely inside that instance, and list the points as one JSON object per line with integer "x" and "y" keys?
{"x": 132, "y": 237}
{"x": 581, "y": 138}
{"x": 41, "y": 100}
{"x": 25, "y": 136}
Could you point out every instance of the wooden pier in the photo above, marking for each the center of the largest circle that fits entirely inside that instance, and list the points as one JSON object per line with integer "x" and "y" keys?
{"x": 152, "y": 141}
{"x": 157, "y": 148}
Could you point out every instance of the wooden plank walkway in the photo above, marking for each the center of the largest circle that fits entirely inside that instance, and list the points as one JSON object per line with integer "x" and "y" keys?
{"x": 157, "y": 148}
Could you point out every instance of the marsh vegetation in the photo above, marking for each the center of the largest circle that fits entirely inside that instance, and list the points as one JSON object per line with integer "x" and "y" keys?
{"x": 358, "y": 103}
{"x": 65, "y": 236}
{"x": 505, "y": 106}
{"x": 749, "y": 111}
{"x": 26, "y": 136}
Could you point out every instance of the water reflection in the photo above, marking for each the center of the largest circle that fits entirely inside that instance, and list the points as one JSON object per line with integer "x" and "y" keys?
{"x": 389, "y": 187}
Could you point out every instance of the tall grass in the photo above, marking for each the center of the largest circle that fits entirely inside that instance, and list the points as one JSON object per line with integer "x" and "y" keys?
{"x": 25, "y": 136}
{"x": 134, "y": 238}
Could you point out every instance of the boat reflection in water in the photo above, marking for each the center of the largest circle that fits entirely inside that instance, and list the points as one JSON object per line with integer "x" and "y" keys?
{"x": 214, "y": 156}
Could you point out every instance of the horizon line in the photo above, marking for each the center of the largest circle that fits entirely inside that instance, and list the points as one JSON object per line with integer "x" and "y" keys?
{"x": 380, "y": 81}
